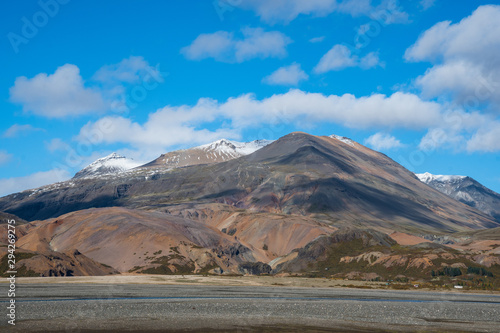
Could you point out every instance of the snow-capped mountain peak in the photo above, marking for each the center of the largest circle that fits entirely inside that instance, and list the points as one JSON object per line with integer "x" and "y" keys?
{"x": 233, "y": 147}
{"x": 428, "y": 177}
{"x": 218, "y": 151}
{"x": 221, "y": 145}
{"x": 111, "y": 164}
{"x": 466, "y": 190}
{"x": 252, "y": 146}
{"x": 112, "y": 156}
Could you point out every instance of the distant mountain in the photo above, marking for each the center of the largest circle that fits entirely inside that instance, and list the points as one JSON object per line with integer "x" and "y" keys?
{"x": 320, "y": 177}
{"x": 439, "y": 179}
{"x": 110, "y": 164}
{"x": 215, "y": 152}
{"x": 466, "y": 190}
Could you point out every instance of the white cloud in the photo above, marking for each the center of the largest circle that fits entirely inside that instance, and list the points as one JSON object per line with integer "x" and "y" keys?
{"x": 389, "y": 12}
{"x": 285, "y": 11}
{"x": 184, "y": 125}
{"x": 127, "y": 83}
{"x": 260, "y": 44}
{"x": 447, "y": 78}
{"x": 130, "y": 70}
{"x": 431, "y": 44}
{"x": 442, "y": 138}
{"x": 340, "y": 57}
{"x": 356, "y": 7}
{"x": 464, "y": 76}
{"x": 397, "y": 110}
{"x": 166, "y": 127}
{"x": 486, "y": 139}
{"x": 17, "y": 184}
{"x": 465, "y": 58}
{"x": 464, "y": 82}
{"x": 57, "y": 95}
{"x": 426, "y": 4}
{"x": 159, "y": 132}
{"x": 223, "y": 46}
{"x": 447, "y": 41}
{"x": 370, "y": 60}
{"x": 4, "y": 157}
{"x": 217, "y": 45}
{"x": 66, "y": 94}
{"x": 17, "y": 129}
{"x": 383, "y": 141}
{"x": 57, "y": 145}
{"x": 288, "y": 76}
{"x": 317, "y": 39}
{"x": 463, "y": 131}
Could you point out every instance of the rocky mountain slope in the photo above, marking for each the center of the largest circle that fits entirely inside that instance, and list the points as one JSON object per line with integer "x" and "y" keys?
{"x": 466, "y": 190}
{"x": 52, "y": 263}
{"x": 371, "y": 255}
{"x": 215, "y": 152}
{"x": 269, "y": 235}
{"x": 44, "y": 261}
{"x": 141, "y": 241}
{"x": 136, "y": 240}
{"x": 111, "y": 164}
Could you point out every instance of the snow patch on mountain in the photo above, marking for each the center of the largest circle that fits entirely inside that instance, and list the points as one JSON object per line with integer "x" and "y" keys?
{"x": 110, "y": 164}
{"x": 342, "y": 139}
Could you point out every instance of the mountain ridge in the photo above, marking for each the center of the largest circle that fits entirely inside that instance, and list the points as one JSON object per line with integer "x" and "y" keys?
{"x": 466, "y": 190}
{"x": 298, "y": 174}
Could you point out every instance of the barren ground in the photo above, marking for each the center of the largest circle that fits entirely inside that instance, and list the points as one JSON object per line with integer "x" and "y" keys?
{"x": 257, "y": 281}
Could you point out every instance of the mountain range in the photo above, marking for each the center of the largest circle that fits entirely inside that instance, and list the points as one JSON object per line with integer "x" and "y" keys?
{"x": 273, "y": 207}
{"x": 299, "y": 174}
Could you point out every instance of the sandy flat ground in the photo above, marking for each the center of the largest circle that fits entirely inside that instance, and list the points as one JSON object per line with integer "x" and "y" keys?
{"x": 257, "y": 281}
{"x": 202, "y": 280}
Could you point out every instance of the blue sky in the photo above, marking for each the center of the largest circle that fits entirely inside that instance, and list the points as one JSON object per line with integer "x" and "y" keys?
{"x": 416, "y": 80}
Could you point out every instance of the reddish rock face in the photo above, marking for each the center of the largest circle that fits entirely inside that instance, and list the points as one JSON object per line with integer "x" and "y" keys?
{"x": 126, "y": 239}
{"x": 132, "y": 240}
{"x": 405, "y": 239}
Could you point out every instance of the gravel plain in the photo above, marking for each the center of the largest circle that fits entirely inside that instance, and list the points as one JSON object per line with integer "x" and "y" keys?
{"x": 86, "y": 307}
